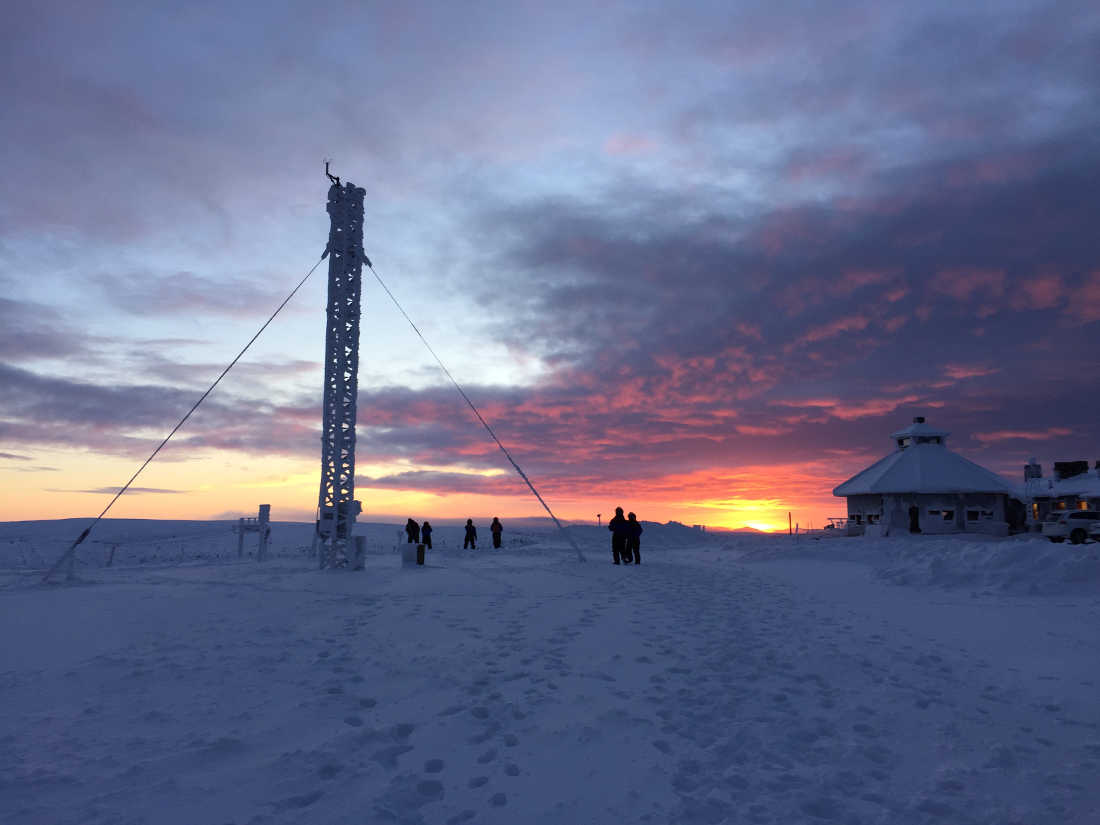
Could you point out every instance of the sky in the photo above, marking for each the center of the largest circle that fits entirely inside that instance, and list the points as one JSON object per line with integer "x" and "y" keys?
{"x": 695, "y": 259}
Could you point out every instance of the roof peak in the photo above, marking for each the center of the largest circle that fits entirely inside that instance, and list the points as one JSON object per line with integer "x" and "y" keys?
{"x": 920, "y": 428}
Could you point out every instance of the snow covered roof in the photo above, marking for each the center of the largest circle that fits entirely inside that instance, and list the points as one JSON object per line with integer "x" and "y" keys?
{"x": 1085, "y": 485}
{"x": 923, "y": 467}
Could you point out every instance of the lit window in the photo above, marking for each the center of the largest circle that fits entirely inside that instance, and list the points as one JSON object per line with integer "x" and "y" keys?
{"x": 1082, "y": 505}
{"x": 948, "y": 515}
{"x": 1035, "y": 510}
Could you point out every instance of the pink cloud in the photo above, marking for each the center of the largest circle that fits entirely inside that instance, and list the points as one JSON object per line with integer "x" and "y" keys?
{"x": 851, "y": 323}
{"x": 961, "y": 371}
{"x": 852, "y": 280}
{"x": 748, "y": 429}
{"x": 1040, "y": 292}
{"x": 964, "y": 282}
{"x": 1084, "y": 303}
{"x": 873, "y": 406}
{"x": 750, "y": 331}
{"x": 892, "y": 325}
{"x": 1025, "y": 435}
{"x": 895, "y": 295}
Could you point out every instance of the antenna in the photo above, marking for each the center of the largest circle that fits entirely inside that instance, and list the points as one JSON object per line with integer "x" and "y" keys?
{"x": 334, "y": 178}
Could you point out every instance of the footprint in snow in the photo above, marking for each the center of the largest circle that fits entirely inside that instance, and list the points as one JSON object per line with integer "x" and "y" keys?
{"x": 487, "y": 757}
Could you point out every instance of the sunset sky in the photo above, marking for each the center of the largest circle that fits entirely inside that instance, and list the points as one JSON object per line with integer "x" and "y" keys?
{"x": 696, "y": 259}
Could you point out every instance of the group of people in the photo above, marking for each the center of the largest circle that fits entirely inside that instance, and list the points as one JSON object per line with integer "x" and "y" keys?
{"x": 422, "y": 534}
{"x": 626, "y": 538}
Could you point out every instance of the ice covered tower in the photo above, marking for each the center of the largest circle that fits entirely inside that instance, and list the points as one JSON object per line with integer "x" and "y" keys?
{"x": 337, "y": 507}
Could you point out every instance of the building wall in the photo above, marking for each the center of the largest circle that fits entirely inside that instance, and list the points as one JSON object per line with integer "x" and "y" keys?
{"x": 865, "y": 509}
{"x": 938, "y": 513}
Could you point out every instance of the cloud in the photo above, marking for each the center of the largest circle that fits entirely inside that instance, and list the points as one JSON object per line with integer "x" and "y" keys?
{"x": 446, "y": 483}
{"x": 150, "y": 293}
{"x": 1022, "y": 435}
{"x": 110, "y": 491}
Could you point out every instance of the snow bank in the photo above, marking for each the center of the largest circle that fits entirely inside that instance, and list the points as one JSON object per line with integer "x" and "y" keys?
{"x": 1020, "y": 564}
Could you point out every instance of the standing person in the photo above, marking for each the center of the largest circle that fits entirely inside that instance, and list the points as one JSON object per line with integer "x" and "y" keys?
{"x": 426, "y": 535}
{"x": 619, "y": 532}
{"x": 471, "y": 535}
{"x": 633, "y": 539}
{"x": 496, "y": 528}
{"x": 412, "y": 530}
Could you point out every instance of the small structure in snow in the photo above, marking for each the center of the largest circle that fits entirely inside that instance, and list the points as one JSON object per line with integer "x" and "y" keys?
{"x": 1073, "y": 487}
{"x": 923, "y": 487}
{"x": 261, "y": 524}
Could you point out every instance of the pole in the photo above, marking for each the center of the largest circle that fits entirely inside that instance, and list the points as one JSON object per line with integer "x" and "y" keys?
{"x": 790, "y": 530}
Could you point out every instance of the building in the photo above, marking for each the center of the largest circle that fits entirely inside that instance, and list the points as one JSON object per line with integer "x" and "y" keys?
{"x": 923, "y": 487}
{"x": 1073, "y": 487}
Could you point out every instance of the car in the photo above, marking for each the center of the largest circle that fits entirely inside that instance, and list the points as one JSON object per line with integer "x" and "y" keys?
{"x": 1072, "y": 524}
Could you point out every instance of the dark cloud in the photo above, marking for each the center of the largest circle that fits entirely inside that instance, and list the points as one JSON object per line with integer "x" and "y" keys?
{"x": 31, "y": 330}
{"x": 132, "y": 419}
{"x": 446, "y": 483}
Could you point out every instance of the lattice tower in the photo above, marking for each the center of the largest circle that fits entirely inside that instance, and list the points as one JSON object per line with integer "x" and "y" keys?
{"x": 337, "y": 507}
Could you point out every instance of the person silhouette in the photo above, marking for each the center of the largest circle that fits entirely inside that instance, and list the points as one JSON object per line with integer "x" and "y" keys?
{"x": 496, "y": 528}
{"x": 471, "y": 535}
{"x": 633, "y": 539}
{"x": 426, "y": 535}
{"x": 619, "y": 533}
{"x": 412, "y": 530}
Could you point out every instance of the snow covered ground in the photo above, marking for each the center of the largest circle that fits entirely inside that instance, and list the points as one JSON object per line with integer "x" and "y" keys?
{"x": 727, "y": 679}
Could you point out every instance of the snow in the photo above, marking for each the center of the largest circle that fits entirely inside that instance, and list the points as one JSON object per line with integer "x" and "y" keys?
{"x": 729, "y": 678}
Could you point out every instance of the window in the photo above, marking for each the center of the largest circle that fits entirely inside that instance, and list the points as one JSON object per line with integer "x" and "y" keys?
{"x": 1061, "y": 505}
{"x": 1035, "y": 510}
{"x": 948, "y": 515}
{"x": 1082, "y": 505}
{"x": 933, "y": 512}
{"x": 971, "y": 515}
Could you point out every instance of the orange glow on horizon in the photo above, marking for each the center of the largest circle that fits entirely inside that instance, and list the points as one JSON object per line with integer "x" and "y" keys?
{"x": 226, "y": 485}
